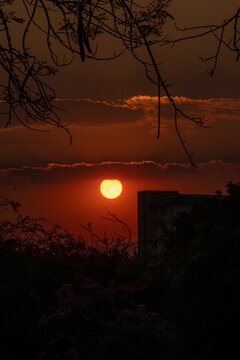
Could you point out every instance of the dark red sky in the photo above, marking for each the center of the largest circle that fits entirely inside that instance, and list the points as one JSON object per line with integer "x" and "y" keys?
{"x": 111, "y": 112}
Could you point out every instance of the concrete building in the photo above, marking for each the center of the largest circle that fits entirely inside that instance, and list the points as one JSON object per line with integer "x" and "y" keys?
{"x": 156, "y": 211}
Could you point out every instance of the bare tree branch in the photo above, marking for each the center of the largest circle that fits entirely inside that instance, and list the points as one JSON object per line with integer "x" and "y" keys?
{"x": 230, "y": 26}
{"x": 74, "y": 27}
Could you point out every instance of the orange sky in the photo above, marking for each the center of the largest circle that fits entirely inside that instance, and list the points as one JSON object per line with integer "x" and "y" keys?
{"x": 111, "y": 112}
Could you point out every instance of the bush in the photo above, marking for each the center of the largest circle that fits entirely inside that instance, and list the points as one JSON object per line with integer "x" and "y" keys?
{"x": 63, "y": 299}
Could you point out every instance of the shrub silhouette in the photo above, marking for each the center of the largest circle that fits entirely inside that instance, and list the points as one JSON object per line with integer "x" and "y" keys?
{"x": 110, "y": 317}
{"x": 61, "y": 299}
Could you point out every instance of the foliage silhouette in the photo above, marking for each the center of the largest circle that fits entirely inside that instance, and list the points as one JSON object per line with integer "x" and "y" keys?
{"x": 97, "y": 304}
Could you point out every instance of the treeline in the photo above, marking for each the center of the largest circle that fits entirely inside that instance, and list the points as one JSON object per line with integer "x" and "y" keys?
{"x": 63, "y": 299}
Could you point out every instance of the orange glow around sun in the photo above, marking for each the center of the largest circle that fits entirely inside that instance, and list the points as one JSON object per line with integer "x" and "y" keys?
{"x": 111, "y": 189}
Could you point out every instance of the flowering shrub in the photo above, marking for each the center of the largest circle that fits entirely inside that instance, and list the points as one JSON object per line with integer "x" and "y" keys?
{"x": 111, "y": 318}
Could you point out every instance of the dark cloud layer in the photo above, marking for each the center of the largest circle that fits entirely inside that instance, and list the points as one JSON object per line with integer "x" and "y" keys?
{"x": 90, "y": 113}
{"x": 133, "y": 169}
{"x": 125, "y": 130}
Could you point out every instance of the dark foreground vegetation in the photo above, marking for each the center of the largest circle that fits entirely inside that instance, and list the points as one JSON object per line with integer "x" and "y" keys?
{"x": 61, "y": 299}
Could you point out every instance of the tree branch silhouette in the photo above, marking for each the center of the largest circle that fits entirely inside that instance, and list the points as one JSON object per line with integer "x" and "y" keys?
{"x": 229, "y": 28}
{"x": 76, "y": 27}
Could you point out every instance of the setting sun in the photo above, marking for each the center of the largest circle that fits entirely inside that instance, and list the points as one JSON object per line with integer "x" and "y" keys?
{"x": 111, "y": 189}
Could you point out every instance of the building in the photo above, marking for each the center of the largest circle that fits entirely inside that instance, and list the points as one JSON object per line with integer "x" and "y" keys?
{"x": 156, "y": 211}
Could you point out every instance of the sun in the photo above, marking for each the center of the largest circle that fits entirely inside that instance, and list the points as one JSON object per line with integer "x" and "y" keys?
{"x": 111, "y": 189}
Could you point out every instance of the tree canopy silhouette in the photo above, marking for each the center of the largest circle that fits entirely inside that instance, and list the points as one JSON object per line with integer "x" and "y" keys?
{"x": 76, "y": 27}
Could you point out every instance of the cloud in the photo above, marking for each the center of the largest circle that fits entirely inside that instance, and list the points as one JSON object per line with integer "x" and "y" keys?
{"x": 146, "y": 166}
{"x": 137, "y": 108}
{"x": 88, "y": 112}
{"x": 125, "y": 130}
{"x": 207, "y": 109}
{"x": 97, "y": 113}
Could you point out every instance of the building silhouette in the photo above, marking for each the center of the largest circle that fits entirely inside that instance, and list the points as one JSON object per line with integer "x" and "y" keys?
{"x": 156, "y": 212}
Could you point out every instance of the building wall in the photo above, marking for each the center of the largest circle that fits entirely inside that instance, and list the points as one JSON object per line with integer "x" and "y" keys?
{"x": 156, "y": 211}
{"x": 147, "y": 215}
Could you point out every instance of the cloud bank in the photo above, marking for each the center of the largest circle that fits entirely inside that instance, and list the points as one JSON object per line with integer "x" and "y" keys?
{"x": 127, "y": 167}
{"x": 133, "y": 108}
